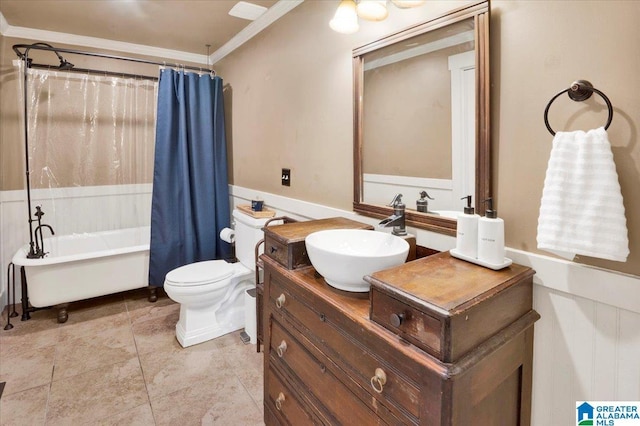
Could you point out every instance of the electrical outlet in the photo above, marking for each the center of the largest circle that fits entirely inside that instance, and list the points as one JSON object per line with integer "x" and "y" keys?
{"x": 286, "y": 177}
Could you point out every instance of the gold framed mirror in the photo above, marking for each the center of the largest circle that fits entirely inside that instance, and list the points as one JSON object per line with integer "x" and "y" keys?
{"x": 421, "y": 119}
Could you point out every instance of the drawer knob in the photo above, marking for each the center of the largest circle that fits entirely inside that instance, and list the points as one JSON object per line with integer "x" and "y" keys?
{"x": 280, "y": 300}
{"x": 396, "y": 319}
{"x": 279, "y": 401}
{"x": 274, "y": 249}
{"x": 379, "y": 380}
{"x": 281, "y": 349}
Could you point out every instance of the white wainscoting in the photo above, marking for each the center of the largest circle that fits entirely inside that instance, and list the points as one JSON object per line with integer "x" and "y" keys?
{"x": 68, "y": 211}
{"x": 587, "y": 343}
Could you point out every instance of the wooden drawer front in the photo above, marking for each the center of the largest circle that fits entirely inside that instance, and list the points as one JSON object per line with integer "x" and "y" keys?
{"x": 276, "y": 250}
{"x": 290, "y": 255}
{"x": 282, "y": 403}
{"x": 313, "y": 373}
{"x": 399, "y": 393}
{"x": 422, "y": 330}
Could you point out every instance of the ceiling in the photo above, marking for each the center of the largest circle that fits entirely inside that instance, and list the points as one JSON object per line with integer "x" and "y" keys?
{"x": 180, "y": 25}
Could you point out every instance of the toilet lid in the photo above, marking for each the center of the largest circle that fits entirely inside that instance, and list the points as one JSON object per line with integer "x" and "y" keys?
{"x": 200, "y": 273}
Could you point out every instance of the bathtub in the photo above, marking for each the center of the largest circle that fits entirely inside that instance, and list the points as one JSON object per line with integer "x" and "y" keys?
{"x": 82, "y": 266}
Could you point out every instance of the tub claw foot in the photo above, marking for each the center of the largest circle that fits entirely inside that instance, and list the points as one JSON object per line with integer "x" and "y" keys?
{"x": 63, "y": 315}
{"x": 153, "y": 293}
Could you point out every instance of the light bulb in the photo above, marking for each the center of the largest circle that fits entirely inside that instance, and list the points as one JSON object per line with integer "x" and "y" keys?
{"x": 373, "y": 10}
{"x": 345, "y": 20}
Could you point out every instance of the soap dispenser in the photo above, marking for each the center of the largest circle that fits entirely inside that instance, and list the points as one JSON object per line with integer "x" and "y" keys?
{"x": 491, "y": 236}
{"x": 467, "y": 231}
{"x": 422, "y": 205}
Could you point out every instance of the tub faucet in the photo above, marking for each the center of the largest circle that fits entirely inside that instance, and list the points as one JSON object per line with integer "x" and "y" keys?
{"x": 397, "y": 219}
{"x": 40, "y": 247}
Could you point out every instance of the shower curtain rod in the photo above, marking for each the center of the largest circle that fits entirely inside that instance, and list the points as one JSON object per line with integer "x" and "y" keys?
{"x": 66, "y": 66}
{"x": 92, "y": 71}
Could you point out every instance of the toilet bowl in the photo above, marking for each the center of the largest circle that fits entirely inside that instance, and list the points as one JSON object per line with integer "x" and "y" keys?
{"x": 210, "y": 297}
{"x": 210, "y": 293}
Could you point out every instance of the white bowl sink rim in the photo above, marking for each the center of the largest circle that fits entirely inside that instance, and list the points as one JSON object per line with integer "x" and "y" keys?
{"x": 344, "y": 256}
{"x": 360, "y": 243}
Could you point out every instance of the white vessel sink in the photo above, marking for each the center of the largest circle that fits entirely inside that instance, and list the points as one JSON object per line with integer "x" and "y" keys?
{"x": 344, "y": 256}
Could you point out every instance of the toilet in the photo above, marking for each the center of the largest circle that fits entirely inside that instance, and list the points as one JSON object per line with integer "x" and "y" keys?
{"x": 211, "y": 292}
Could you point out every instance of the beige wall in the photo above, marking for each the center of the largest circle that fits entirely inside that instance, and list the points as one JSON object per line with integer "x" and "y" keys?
{"x": 11, "y": 141}
{"x": 291, "y": 103}
{"x": 547, "y": 45}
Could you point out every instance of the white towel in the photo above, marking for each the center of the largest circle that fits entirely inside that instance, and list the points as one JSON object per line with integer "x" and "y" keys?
{"x": 581, "y": 211}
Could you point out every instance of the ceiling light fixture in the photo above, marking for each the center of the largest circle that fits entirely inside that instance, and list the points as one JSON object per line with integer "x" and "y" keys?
{"x": 345, "y": 20}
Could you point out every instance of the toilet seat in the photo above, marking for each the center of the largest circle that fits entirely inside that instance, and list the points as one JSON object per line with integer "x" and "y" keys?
{"x": 200, "y": 273}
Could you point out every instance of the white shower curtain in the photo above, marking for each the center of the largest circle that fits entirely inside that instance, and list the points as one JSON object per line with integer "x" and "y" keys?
{"x": 91, "y": 141}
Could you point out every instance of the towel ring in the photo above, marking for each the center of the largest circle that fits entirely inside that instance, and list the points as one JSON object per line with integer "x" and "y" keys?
{"x": 580, "y": 90}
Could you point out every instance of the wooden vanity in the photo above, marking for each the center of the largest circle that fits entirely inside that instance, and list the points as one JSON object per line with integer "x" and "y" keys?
{"x": 437, "y": 341}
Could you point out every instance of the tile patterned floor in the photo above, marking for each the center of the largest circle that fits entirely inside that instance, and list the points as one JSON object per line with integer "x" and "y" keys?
{"x": 116, "y": 361}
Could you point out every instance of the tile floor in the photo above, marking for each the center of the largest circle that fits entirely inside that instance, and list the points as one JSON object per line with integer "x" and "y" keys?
{"x": 116, "y": 362}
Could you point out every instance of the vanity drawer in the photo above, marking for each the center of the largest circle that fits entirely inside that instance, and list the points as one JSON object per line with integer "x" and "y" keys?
{"x": 399, "y": 393}
{"x": 282, "y": 402}
{"x": 408, "y": 322}
{"x": 290, "y": 256}
{"x": 290, "y": 355}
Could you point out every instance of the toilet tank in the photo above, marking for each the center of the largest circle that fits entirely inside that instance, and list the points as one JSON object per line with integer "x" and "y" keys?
{"x": 248, "y": 232}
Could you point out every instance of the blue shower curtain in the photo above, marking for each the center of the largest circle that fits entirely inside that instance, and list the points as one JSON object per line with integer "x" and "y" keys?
{"x": 190, "y": 201}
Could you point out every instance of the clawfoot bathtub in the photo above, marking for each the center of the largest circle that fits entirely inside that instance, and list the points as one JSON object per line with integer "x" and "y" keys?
{"x": 82, "y": 266}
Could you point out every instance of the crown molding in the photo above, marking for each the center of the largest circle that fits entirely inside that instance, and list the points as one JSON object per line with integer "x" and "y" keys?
{"x": 101, "y": 43}
{"x": 274, "y": 13}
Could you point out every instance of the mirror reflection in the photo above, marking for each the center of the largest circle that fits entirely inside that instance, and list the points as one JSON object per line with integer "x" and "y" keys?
{"x": 419, "y": 119}
{"x": 422, "y": 122}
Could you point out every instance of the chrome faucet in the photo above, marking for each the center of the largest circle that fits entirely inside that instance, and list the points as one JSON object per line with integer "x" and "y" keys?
{"x": 397, "y": 219}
